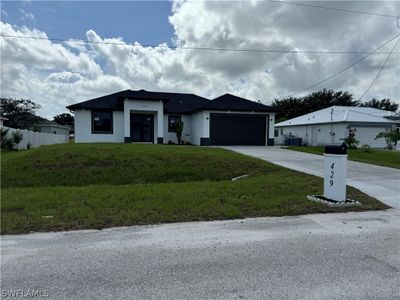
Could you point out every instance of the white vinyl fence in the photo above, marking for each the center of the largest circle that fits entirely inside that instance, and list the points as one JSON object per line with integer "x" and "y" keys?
{"x": 36, "y": 139}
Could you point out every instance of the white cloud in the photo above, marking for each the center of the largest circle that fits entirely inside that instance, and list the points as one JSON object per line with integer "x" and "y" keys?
{"x": 64, "y": 77}
{"x": 4, "y": 13}
{"x": 56, "y": 75}
{"x": 26, "y": 15}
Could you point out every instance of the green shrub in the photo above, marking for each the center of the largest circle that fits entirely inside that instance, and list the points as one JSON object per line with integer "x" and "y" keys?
{"x": 17, "y": 137}
{"x": 10, "y": 142}
{"x": 391, "y": 137}
{"x": 179, "y": 130}
{"x": 3, "y": 132}
{"x": 351, "y": 140}
{"x": 366, "y": 148}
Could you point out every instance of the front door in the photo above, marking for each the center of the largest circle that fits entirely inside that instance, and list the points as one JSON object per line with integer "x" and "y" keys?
{"x": 314, "y": 133}
{"x": 142, "y": 127}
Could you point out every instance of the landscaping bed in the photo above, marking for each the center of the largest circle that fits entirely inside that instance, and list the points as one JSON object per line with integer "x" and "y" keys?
{"x": 77, "y": 186}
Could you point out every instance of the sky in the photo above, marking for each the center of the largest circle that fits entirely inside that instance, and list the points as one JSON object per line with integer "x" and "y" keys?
{"x": 133, "y": 46}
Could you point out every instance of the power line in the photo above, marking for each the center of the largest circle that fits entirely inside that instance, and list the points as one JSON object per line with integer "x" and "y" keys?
{"x": 337, "y": 9}
{"x": 380, "y": 70}
{"x": 194, "y": 48}
{"x": 345, "y": 69}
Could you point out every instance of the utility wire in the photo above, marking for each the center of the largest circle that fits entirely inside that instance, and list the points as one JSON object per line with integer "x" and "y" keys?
{"x": 380, "y": 70}
{"x": 194, "y": 48}
{"x": 345, "y": 69}
{"x": 337, "y": 9}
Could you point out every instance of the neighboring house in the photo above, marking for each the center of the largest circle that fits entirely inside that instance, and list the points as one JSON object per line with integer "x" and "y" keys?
{"x": 2, "y": 119}
{"x": 332, "y": 125}
{"x": 47, "y": 126}
{"x": 143, "y": 116}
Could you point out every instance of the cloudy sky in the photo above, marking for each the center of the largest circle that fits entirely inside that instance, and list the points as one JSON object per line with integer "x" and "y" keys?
{"x": 124, "y": 52}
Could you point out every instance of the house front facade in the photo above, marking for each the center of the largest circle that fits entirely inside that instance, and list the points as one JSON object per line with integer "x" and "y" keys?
{"x": 332, "y": 125}
{"x": 151, "y": 117}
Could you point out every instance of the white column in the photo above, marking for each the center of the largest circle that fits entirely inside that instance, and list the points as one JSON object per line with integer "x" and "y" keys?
{"x": 160, "y": 122}
{"x": 127, "y": 119}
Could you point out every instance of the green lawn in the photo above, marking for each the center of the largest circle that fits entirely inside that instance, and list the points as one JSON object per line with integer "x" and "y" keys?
{"x": 385, "y": 158}
{"x": 75, "y": 186}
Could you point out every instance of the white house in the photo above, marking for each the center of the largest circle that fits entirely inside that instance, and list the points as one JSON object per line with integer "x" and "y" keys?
{"x": 53, "y": 127}
{"x": 144, "y": 116}
{"x": 331, "y": 125}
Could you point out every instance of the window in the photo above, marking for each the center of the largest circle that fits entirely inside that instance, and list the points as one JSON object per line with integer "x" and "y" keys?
{"x": 102, "y": 122}
{"x": 172, "y": 122}
{"x": 276, "y": 132}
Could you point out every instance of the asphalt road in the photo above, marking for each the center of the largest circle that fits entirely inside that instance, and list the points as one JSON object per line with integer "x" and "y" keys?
{"x": 320, "y": 256}
{"x": 379, "y": 182}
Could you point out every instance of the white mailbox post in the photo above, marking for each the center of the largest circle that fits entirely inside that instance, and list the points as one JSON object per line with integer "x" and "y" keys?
{"x": 335, "y": 172}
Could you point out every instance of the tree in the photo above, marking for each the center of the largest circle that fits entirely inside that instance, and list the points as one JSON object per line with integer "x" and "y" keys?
{"x": 64, "y": 119}
{"x": 21, "y": 113}
{"x": 293, "y": 107}
{"x": 391, "y": 137}
{"x": 178, "y": 131}
{"x": 385, "y": 104}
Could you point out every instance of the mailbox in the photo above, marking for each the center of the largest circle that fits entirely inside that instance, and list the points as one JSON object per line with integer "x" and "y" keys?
{"x": 335, "y": 172}
{"x": 336, "y": 149}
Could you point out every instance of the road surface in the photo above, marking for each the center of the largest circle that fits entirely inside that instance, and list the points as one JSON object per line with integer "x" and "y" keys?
{"x": 320, "y": 256}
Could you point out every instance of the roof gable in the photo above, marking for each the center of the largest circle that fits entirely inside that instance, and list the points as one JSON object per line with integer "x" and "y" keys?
{"x": 235, "y": 103}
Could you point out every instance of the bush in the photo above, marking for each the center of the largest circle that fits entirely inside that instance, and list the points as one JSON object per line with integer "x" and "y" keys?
{"x": 179, "y": 130}
{"x": 366, "y": 148}
{"x": 3, "y": 132}
{"x": 10, "y": 142}
{"x": 391, "y": 138}
{"x": 17, "y": 137}
{"x": 351, "y": 140}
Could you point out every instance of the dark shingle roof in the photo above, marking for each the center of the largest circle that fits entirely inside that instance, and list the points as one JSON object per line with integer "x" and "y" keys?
{"x": 104, "y": 102}
{"x": 235, "y": 103}
{"x": 173, "y": 102}
{"x": 177, "y": 103}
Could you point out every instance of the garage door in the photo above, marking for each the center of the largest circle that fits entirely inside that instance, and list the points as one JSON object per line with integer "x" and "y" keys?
{"x": 234, "y": 129}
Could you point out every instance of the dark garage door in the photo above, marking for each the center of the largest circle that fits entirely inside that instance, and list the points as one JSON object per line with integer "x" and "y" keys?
{"x": 237, "y": 129}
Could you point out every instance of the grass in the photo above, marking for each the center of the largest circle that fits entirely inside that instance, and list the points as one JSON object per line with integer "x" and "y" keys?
{"x": 385, "y": 158}
{"x": 108, "y": 185}
{"x": 116, "y": 164}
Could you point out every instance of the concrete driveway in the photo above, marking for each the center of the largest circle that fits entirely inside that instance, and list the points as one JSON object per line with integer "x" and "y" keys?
{"x": 319, "y": 256}
{"x": 379, "y": 182}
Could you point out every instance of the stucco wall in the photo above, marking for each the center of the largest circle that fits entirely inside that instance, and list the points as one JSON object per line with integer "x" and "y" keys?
{"x": 200, "y": 126}
{"x": 196, "y": 126}
{"x": 313, "y": 135}
{"x": 271, "y": 125}
{"x": 186, "y": 134}
{"x": 83, "y": 128}
{"x": 367, "y": 134}
{"x": 138, "y": 106}
{"x": 319, "y": 135}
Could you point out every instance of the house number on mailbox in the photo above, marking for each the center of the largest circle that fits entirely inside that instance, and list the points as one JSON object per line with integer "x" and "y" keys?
{"x": 331, "y": 182}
